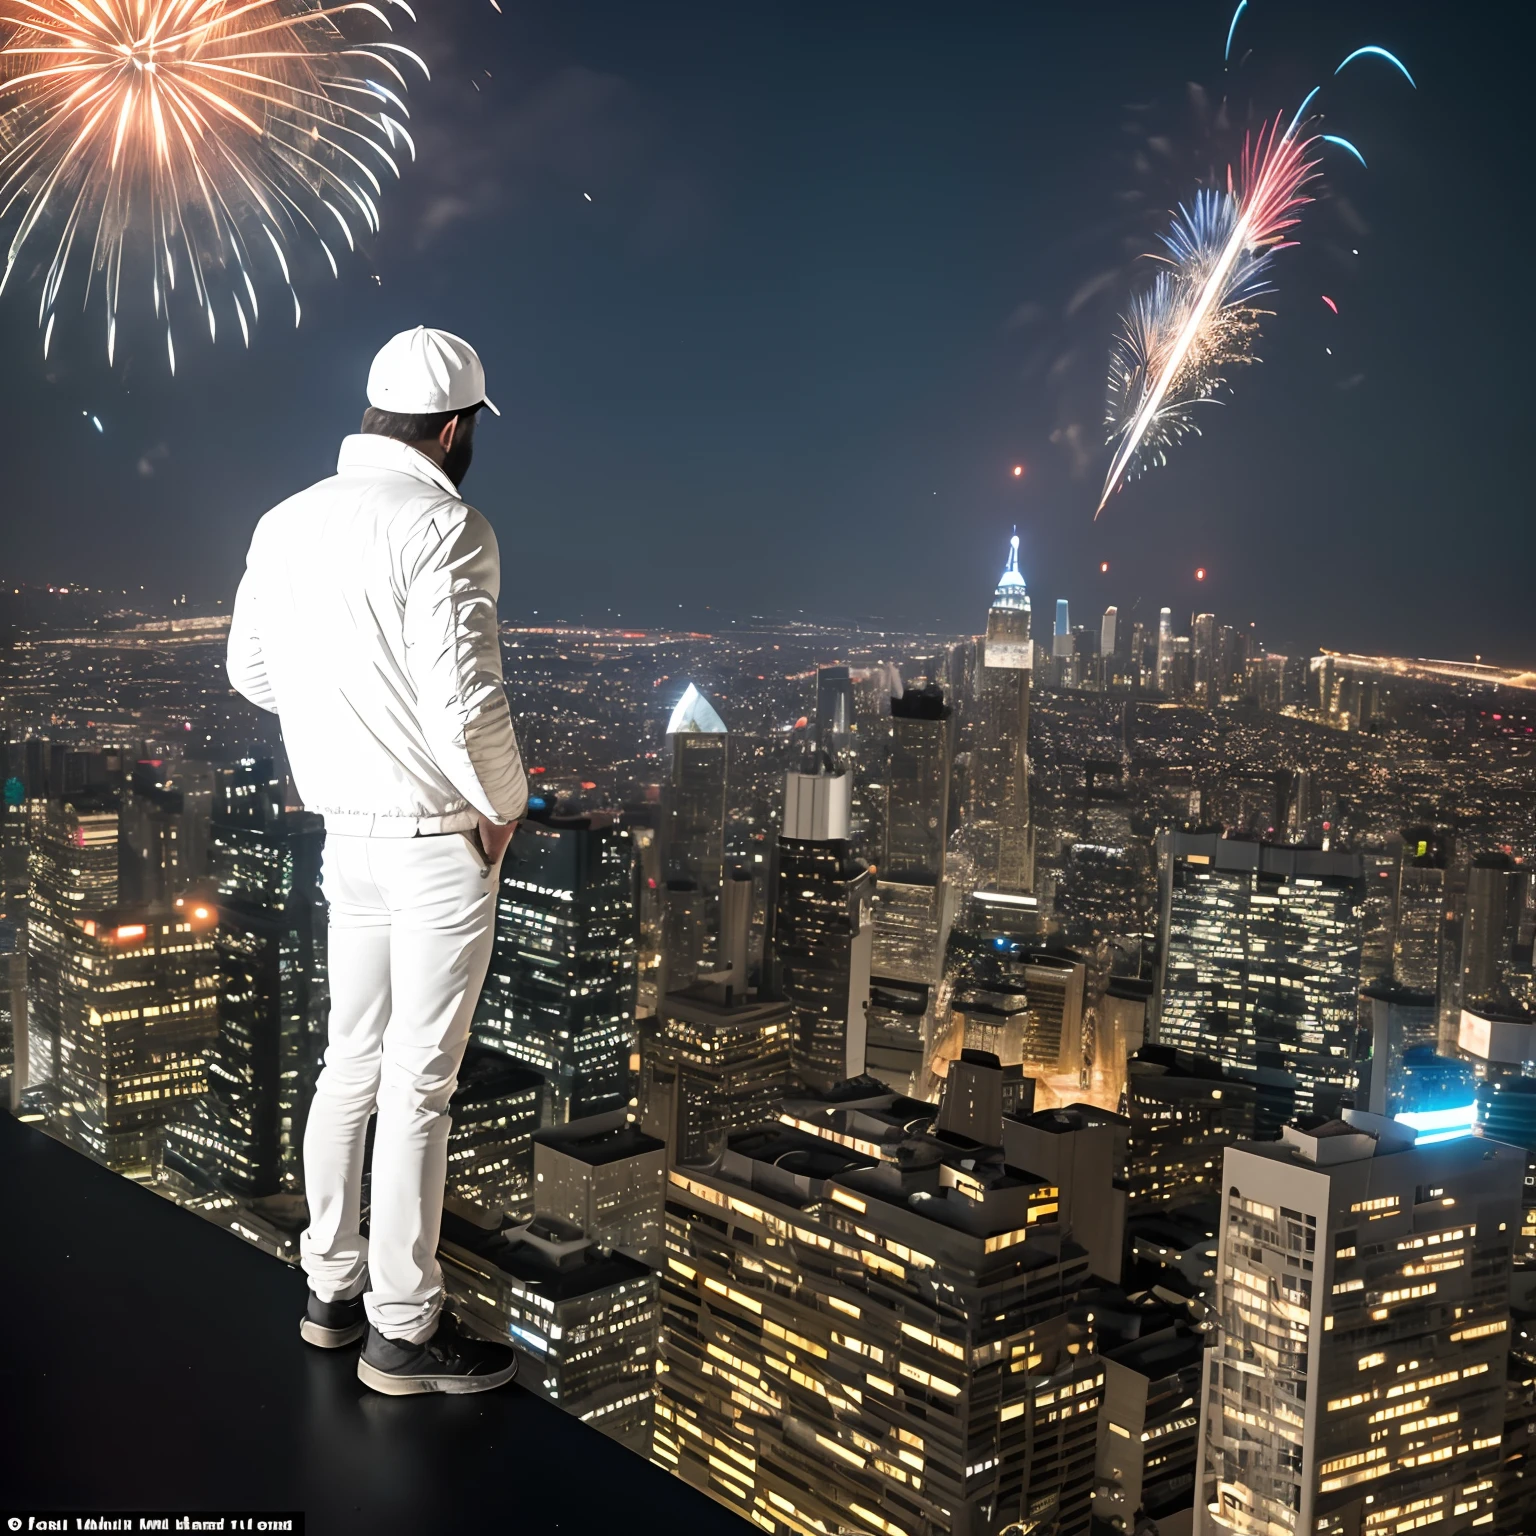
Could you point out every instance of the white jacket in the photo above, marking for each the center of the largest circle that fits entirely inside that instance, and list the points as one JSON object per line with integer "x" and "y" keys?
{"x": 366, "y": 620}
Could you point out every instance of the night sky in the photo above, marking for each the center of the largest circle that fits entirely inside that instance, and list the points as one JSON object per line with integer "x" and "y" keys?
{"x": 844, "y": 266}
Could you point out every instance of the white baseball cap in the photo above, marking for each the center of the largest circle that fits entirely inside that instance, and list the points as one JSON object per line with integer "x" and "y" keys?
{"x": 423, "y": 372}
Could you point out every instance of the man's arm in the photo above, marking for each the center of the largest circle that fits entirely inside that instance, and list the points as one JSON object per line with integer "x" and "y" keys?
{"x": 453, "y": 653}
{"x": 245, "y": 663}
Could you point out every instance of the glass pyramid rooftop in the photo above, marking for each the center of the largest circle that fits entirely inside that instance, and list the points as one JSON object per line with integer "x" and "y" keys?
{"x": 1011, "y": 592}
{"x": 695, "y": 713}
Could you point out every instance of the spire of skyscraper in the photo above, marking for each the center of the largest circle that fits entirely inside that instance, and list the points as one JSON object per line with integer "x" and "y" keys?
{"x": 695, "y": 713}
{"x": 1011, "y": 592}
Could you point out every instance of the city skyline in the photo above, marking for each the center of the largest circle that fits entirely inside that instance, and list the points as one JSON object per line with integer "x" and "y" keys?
{"x": 864, "y": 1042}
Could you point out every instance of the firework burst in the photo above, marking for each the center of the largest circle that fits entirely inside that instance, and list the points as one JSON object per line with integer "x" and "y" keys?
{"x": 178, "y": 141}
{"x": 1181, "y": 338}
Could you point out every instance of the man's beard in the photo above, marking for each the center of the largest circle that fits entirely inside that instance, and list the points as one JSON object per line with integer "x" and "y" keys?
{"x": 457, "y": 460}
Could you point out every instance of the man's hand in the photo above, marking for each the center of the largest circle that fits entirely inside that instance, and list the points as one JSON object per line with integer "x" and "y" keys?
{"x": 494, "y": 838}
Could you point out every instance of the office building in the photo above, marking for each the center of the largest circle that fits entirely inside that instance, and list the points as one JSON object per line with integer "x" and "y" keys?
{"x": 914, "y": 904}
{"x": 917, "y": 787}
{"x": 691, "y": 838}
{"x": 1497, "y": 894}
{"x": 836, "y": 709}
{"x": 1184, "y": 1109}
{"x": 713, "y": 1061}
{"x": 584, "y": 1319}
{"x": 163, "y": 842}
{"x": 1261, "y": 960}
{"x": 897, "y": 1031}
{"x": 274, "y": 999}
{"x": 1506, "y": 1111}
{"x": 1000, "y": 749}
{"x": 139, "y": 1005}
{"x": 1421, "y": 890}
{"x": 1149, "y": 1427}
{"x": 72, "y": 874}
{"x": 231, "y": 1137}
{"x": 606, "y": 1177}
{"x": 1109, "y": 627}
{"x": 494, "y": 1112}
{"x": 1207, "y": 678}
{"x": 1400, "y": 1019}
{"x": 877, "y": 1343}
{"x": 1075, "y": 1148}
{"x": 1165, "y": 650}
{"x": 821, "y": 932}
{"x": 560, "y": 993}
{"x": 1120, "y": 1030}
{"x": 1357, "y": 1379}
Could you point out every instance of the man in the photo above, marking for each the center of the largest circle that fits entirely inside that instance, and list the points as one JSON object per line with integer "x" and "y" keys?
{"x": 366, "y": 620}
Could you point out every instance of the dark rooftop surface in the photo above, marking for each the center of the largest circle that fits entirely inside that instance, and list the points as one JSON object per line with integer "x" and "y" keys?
{"x": 154, "y": 1363}
{"x": 599, "y": 1147}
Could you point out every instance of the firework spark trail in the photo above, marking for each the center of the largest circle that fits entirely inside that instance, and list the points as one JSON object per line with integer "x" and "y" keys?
{"x": 1275, "y": 167}
{"x": 195, "y": 129}
{"x": 1197, "y": 319}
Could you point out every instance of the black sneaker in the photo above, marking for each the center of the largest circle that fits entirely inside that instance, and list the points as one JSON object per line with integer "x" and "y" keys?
{"x": 332, "y": 1324}
{"x": 450, "y": 1361}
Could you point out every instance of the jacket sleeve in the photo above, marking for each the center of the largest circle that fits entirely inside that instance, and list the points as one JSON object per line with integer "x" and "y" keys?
{"x": 245, "y": 662}
{"x": 453, "y": 655}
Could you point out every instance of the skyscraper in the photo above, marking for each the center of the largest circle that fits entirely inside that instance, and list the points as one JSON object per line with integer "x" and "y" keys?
{"x": 877, "y": 1342}
{"x": 821, "y": 933}
{"x": 1356, "y": 1383}
{"x": 163, "y": 847}
{"x": 1416, "y": 936}
{"x": 73, "y": 872}
{"x": 1000, "y": 748}
{"x": 139, "y": 1006}
{"x": 1203, "y": 648}
{"x": 583, "y": 1317}
{"x": 1165, "y": 650}
{"x": 1497, "y": 892}
{"x": 1261, "y": 960}
{"x": 692, "y": 834}
{"x": 913, "y": 902}
{"x": 711, "y": 1063}
{"x": 1109, "y": 631}
{"x": 1183, "y": 1110}
{"x": 1063, "y": 649}
{"x": 270, "y": 954}
{"x": 560, "y": 993}
{"x": 607, "y": 1177}
{"x": 835, "y": 709}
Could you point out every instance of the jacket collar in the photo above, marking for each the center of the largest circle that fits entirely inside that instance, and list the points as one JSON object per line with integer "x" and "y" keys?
{"x": 367, "y": 450}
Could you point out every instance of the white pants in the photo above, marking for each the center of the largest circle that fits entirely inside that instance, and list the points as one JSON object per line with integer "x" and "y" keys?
{"x": 411, "y": 925}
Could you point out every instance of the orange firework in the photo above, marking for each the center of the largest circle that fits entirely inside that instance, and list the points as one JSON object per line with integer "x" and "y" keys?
{"x": 183, "y": 138}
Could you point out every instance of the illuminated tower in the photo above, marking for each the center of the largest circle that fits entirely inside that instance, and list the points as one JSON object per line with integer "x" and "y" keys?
{"x": 1261, "y": 961}
{"x": 1355, "y": 1383}
{"x": 821, "y": 934}
{"x": 1203, "y": 646}
{"x": 912, "y": 898}
{"x": 560, "y": 995}
{"x": 692, "y": 840}
{"x": 1000, "y": 755}
{"x": 1164, "y": 648}
{"x": 73, "y": 872}
{"x": 140, "y": 1004}
{"x": 871, "y": 1326}
{"x": 245, "y": 1135}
